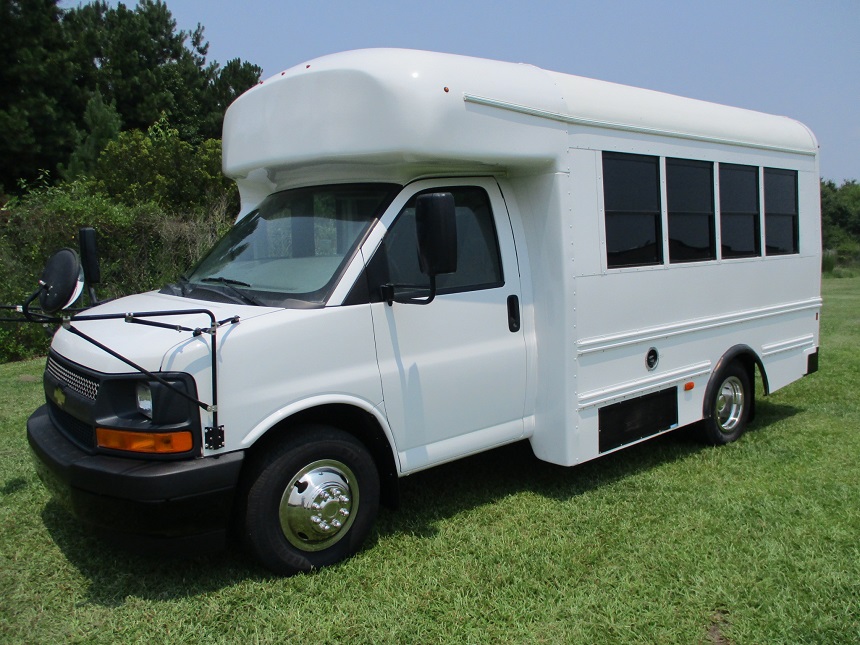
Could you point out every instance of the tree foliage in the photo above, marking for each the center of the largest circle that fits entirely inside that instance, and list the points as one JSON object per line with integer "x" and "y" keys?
{"x": 102, "y": 123}
{"x": 840, "y": 224}
{"x": 159, "y": 166}
{"x": 63, "y": 72}
{"x": 840, "y": 211}
{"x": 142, "y": 245}
{"x": 36, "y": 92}
{"x": 126, "y": 110}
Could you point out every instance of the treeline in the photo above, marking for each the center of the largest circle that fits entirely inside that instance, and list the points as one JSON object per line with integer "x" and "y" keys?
{"x": 70, "y": 80}
{"x": 840, "y": 225}
{"x": 110, "y": 117}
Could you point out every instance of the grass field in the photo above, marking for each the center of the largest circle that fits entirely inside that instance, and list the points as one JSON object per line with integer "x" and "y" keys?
{"x": 667, "y": 542}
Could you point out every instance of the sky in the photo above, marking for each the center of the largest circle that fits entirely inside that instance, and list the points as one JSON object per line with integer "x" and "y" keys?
{"x": 798, "y": 58}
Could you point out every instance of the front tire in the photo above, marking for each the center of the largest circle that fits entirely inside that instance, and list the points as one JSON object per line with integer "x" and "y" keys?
{"x": 729, "y": 405}
{"x": 311, "y": 501}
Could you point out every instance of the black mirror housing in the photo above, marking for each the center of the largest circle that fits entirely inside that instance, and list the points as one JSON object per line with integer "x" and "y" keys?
{"x": 89, "y": 255}
{"x": 436, "y": 227}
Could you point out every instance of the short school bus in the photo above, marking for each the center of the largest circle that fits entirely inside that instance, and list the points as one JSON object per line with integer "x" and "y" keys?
{"x": 437, "y": 255}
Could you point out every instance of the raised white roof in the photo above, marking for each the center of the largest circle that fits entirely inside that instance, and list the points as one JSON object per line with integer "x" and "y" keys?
{"x": 389, "y": 107}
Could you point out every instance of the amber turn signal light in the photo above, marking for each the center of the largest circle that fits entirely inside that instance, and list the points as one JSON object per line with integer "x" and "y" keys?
{"x": 161, "y": 443}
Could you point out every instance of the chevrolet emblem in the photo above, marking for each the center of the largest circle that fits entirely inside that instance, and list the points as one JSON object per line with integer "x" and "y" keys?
{"x": 59, "y": 397}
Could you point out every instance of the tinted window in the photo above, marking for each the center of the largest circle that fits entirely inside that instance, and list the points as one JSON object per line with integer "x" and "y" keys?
{"x": 631, "y": 194}
{"x": 690, "y": 197}
{"x": 739, "y": 211}
{"x": 478, "y": 259}
{"x": 780, "y": 211}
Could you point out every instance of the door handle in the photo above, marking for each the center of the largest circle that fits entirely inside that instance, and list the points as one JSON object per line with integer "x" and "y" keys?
{"x": 513, "y": 313}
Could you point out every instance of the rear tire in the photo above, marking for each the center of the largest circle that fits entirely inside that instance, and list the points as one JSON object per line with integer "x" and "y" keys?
{"x": 311, "y": 501}
{"x": 729, "y": 405}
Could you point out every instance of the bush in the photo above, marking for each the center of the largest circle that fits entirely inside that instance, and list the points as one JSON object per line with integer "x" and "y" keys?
{"x": 157, "y": 166}
{"x": 142, "y": 246}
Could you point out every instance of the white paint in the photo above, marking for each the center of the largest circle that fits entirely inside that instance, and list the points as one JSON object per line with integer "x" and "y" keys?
{"x": 449, "y": 379}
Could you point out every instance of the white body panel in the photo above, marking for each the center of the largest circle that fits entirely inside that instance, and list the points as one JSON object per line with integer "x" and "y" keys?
{"x": 453, "y": 374}
{"x": 449, "y": 379}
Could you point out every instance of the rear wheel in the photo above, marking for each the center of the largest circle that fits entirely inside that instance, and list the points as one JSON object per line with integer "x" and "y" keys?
{"x": 312, "y": 501}
{"x": 729, "y": 405}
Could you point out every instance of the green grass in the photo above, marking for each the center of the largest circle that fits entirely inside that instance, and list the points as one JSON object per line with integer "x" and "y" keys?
{"x": 667, "y": 542}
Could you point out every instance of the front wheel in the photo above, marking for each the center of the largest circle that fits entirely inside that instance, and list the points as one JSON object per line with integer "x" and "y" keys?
{"x": 728, "y": 406}
{"x": 312, "y": 501}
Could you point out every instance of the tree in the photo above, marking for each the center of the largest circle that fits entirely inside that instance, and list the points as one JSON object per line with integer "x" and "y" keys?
{"x": 54, "y": 63}
{"x": 226, "y": 86}
{"x": 160, "y": 167}
{"x": 840, "y": 220}
{"x": 37, "y": 121}
{"x": 102, "y": 122}
{"x": 139, "y": 61}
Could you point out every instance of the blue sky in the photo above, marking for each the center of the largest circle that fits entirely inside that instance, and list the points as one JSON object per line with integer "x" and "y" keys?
{"x": 799, "y": 58}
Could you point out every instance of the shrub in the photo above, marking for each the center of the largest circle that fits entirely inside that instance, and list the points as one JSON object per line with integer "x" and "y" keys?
{"x": 157, "y": 166}
{"x": 142, "y": 246}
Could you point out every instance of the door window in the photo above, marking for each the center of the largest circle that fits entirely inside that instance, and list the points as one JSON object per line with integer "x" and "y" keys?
{"x": 478, "y": 259}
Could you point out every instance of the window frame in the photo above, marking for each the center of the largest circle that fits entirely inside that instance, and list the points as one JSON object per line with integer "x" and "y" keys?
{"x": 379, "y": 265}
{"x": 710, "y": 215}
{"x": 756, "y": 215}
{"x": 771, "y": 213}
{"x": 610, "y": 213}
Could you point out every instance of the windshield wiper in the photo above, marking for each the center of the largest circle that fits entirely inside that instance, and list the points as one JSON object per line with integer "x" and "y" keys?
{"x": 229, "y": 284}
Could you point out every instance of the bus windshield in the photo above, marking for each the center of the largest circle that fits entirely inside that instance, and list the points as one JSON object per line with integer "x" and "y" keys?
{"x": 292, "y": 249}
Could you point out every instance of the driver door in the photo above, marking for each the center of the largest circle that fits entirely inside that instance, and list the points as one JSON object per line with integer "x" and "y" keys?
{"x": 453, "y": 371}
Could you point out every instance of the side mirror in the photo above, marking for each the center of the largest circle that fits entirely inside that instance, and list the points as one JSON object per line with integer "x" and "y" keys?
{"x": 436, "y": 230}
{"x": 89, "y": 255}
{"x": 90, "y": 261}
{"x": 436, "y": 227}
{"x": 62, "y": 281}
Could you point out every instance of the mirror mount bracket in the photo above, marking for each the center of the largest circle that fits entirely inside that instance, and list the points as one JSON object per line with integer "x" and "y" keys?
{"x": 390, "y": 296}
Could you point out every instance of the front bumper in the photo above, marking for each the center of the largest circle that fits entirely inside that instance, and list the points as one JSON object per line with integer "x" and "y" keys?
{"x": 153, "y": 501}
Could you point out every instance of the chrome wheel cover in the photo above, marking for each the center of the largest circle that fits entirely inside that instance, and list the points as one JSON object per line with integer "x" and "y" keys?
{"x": 319, "y": 505}
{"x": 729, "y": 405}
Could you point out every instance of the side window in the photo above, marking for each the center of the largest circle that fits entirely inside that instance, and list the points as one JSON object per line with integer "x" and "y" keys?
{"x": 780, "y": 211}
{"x": 478, "y": 259}
{"x": 690, "y": 197}
{"x": 631, "y": 194}
{"x": 740, "y": 227}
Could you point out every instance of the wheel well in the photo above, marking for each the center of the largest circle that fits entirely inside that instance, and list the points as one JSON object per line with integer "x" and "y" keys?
{"x": 745, "y": 356}
{"x": 349, "y": 419}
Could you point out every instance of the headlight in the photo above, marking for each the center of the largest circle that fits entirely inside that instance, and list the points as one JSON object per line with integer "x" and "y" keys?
{"x": 144, "y": 399}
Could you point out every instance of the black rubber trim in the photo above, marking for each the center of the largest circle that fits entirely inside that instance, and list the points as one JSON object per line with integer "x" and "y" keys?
{"x": 132, "y": 496}
{"x": 742, "y": 353}
{"x": 812, "y": 363}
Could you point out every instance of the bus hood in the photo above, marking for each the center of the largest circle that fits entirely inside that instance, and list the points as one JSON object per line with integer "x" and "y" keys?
{"x": 147, "y": 346}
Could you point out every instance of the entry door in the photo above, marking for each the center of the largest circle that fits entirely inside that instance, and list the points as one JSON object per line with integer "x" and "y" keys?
{"x": 453, "y": 371}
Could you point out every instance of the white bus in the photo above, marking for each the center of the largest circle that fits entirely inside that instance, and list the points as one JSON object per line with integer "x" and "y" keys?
{"x": 437, "y": 255}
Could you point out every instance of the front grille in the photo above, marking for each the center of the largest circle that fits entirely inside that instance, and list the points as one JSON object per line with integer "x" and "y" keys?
{"x": 77, "y": 382}
{"x": 78, "y": 431}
